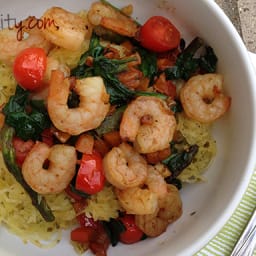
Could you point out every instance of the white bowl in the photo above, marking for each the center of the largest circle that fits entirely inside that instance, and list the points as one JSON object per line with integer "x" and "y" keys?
{"x": 213, "y": 201}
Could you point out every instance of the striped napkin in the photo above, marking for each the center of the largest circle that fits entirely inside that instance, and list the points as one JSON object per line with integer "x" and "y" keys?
{"x": 223, "y": 243}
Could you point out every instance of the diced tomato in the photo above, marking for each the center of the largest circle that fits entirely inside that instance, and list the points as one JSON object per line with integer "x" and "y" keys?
{"x": 113, "y": 138}
{"x": 100, "y": 243}
{"x": 90, "y": 177}
{"x": 132, "y": 234}
{"x": 29, "y": 68}
{"x": 47, "y": 137}
{"x": 159, "y": 34}
{"x": 21, "y": 148}
{"x": 98, "y": 239}
{"x": 167, "y": 59}
{"x": 82, "y": 234}
{"x": 101, "y": 146}
{"x": 165, "y": 86}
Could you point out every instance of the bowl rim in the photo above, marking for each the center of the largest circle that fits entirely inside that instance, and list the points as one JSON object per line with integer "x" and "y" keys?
{"x": 234, "y": 201}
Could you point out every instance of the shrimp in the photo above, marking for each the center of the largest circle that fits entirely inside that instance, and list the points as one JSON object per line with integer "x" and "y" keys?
{"x": 10, "y": 46}
{"x": 144, "y": 199}
{"x": 169, "y": 210}
{"x": 110, "y": 18}
{"x": 137, "y": 200}
{"x": 65, "y": 29}
{"x": 155, "y": 181}
{"x": 203, "y": 99}
{"x": 124, "y": 167}
{"x": 148, "y": 123}
{"x": 93, "y": 107}
{"x": 61, "y": 170}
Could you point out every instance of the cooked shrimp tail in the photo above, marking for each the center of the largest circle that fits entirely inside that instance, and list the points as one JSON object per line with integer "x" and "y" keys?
{"x": 148, "y": 123}
{"x": 203, "y": 99}
{"x": 65, "y": 29}
{"x": 93, "y": 106}
{"x": 124, "y": 167}
{"x": 137, "y": 200}
{"x": 108, "y": 17}
{"x": 62, "y": 163}
{"x": 170, "y": 209}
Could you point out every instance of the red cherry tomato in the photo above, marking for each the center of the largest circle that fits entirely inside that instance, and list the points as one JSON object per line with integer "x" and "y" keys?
{"x": 82, "y": 234}
{"x": 159, "y": 34}
{"x": 29, "y": 68}
{"x": 132, "y": 234}
{"x": 90, "y": 177}
{"x": 21, "y": 148}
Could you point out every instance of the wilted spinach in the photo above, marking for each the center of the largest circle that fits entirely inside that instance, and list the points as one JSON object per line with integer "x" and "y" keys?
{"x": 148, "y": 64}
{"x": 177, "y": 162}
{"x": 188, "y": 63}
{"x": 114, "y": 228}
{"x": 28, "y": 117}
{"x": 111, "y": 122}
{"x": 108, "y": 70}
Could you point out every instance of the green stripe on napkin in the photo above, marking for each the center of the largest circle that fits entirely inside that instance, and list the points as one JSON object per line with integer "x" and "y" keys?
{"x": 223, "y": 243}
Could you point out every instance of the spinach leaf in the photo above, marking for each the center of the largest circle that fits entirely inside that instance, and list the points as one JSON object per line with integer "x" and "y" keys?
{"x": 113, "y": 228}
{"x": 187, "y": 63}
{"x": 6, "y": 135}
{"x": 174, "y": 181}
{"x": 109, "y": 35}
{"x": 208, "y": 61}
{"x": 111, "y": 122}
{"x": 29, "y": 118}
{"x": 108, "y": 69}
{"x": 177, "y": 107}
{"x": 78, "y": 192}
{"x": 95, "y": 50}
{"x": 177, "y": 162}
{"x": 148, "y": 64}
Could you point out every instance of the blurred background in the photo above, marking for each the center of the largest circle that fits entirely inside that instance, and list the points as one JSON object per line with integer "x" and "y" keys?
{"x": 242, "y": 13}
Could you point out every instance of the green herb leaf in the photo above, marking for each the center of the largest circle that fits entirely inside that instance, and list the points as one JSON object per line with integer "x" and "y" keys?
{"x": 113, "y": 228}
{"x": 208, "y": 61}
{"x": 148, "y": 64}
{"x": 78, "y": 192}
{"x": 28, "y": 118}
{"x": 109, "y": 68}
{"x": 111, "y": 122}
{"x": 188, "y": 64}
{"x": 177, "y": 162}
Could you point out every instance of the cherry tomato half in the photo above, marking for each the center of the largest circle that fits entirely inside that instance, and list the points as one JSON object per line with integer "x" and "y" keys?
{"x": 90, "y": 177}
{"x": 132, "y": 234}
{"x": 159, "y": 34}
{"x": 29, "y": 68}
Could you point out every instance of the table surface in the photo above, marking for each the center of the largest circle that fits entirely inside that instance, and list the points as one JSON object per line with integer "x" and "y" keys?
{"x": 242, "y": 13}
